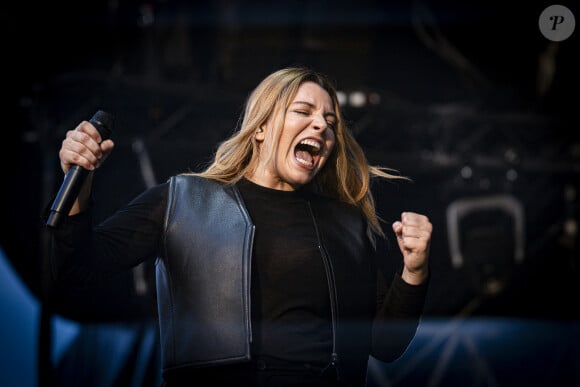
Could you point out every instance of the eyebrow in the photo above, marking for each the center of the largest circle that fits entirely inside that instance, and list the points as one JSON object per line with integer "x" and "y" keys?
{"x": 312, "y": 105}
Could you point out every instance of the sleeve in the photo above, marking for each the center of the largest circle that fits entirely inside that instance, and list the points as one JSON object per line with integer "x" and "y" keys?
{"x": 398, "y": 313}
{"x": 81, "y": 253}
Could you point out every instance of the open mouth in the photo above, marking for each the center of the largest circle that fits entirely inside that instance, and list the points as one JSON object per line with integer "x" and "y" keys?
{"x": 307, "y": 152}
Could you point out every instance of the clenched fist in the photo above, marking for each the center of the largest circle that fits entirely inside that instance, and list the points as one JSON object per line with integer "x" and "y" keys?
{"x": 414, "y": 238}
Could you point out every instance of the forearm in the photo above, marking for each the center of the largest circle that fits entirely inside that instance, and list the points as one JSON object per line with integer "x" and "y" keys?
{"x": 125, "y": 239}
{"x": 82, "y": 201}
{"x": 397, "y": 318}
{"x": 404, "y": 300}
{"x": 71, "y": 250}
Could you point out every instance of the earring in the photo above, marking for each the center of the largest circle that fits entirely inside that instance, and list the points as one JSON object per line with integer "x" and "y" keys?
{"x": 259, "y": 130}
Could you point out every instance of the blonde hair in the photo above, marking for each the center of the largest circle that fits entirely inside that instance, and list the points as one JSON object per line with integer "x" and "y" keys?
{"x": 346, "y": 176}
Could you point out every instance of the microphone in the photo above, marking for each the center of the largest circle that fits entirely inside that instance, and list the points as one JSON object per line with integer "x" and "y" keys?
{"x": 75, "y": 177}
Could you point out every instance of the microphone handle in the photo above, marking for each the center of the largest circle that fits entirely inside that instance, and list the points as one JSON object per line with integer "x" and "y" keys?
{"x": 75, "y": 177}
{"x": 67, "y": 194}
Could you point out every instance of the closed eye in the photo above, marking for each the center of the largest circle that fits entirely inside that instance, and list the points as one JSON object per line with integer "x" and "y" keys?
{"x": 331, "y": 124}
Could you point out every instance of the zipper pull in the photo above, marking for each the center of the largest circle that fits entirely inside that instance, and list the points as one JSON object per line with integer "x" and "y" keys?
{"x": 334, "y": 359}
{"x": 334, "y": 363}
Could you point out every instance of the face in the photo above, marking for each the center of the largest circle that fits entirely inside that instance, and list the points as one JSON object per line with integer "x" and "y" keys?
{"x": 306, "y": 141}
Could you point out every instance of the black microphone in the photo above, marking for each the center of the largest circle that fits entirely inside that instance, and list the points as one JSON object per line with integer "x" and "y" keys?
{"x": 75, "y": 177}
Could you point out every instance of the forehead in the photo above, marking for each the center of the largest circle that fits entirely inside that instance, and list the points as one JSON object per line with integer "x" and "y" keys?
{"x": 314, "y": 94}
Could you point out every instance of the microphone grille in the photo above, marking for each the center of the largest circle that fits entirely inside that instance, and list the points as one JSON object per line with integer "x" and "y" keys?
{"x": 103, "y": 121}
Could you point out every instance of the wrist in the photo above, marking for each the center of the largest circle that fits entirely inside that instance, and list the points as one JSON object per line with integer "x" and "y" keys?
{"x": 415, "y": 277}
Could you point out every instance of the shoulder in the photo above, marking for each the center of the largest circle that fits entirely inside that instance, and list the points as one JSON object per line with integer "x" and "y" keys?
{"x": 201, "y": 188}
{"x": 193, "y": 181}
{"x": 153, "y": 194}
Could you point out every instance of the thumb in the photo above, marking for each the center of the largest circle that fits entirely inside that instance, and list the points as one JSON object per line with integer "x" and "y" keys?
{"x": 107, "y": 147}
{"x": 398, "y": 228}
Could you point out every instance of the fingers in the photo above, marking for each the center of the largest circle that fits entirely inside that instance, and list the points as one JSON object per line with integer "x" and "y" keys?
{"x": 413, "y": 236}
{"x": 83, "y": 147}
{"x": 413, "y": 229}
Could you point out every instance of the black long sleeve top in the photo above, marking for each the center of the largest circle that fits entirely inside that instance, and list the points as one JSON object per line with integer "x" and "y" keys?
{"x": 290, "y": 299}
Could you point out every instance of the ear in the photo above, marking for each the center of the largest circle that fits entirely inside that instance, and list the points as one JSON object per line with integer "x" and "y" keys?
{"x": 260, "y": 133}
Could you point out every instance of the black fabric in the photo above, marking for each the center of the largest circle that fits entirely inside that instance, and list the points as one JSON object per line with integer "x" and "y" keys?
{"x": 133, "y": 235}
{"x": 261, "y": 372}
{"x": 290, "y": 299}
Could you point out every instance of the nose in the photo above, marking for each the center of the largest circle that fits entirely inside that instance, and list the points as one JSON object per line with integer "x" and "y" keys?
{"x": 319, "y": 122}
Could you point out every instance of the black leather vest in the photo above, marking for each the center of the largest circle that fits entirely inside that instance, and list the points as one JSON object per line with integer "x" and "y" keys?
{"x": 203, "y": 277}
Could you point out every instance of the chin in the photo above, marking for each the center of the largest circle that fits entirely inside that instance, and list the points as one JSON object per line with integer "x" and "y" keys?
{"x": 299, "y": 182}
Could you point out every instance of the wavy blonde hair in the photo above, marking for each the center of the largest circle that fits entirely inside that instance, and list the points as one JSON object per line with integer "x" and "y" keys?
{"x": 346, "y": 175}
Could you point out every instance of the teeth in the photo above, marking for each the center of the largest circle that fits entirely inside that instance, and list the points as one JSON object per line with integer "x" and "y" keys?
{"x": 311, "y": 143}
{"x": 305, "y": 162}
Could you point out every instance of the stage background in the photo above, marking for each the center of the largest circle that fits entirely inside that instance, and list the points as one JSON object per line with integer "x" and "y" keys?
{"x": 469, "y": 100}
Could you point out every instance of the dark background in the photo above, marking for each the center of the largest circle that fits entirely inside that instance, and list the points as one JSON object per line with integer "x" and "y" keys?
{"x": 473, "y": 102}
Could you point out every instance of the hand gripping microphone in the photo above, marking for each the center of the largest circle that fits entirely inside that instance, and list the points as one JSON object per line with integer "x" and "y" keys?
{"x": 76, "y": 175}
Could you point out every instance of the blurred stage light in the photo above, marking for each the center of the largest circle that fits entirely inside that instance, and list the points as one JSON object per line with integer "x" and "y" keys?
{"x": 341, "y": 96}
{"x": 374, "y": 98}
{"x": 357, "y": 99}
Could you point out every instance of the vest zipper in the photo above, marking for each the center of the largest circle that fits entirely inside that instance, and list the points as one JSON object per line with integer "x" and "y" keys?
{"x": 331, "y": 288}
